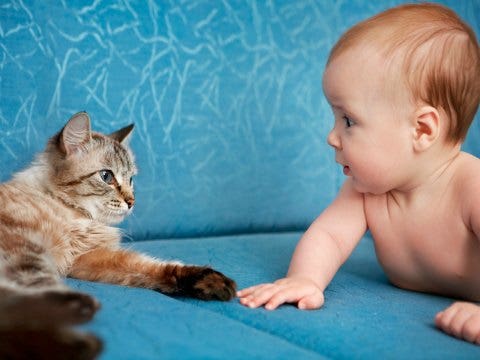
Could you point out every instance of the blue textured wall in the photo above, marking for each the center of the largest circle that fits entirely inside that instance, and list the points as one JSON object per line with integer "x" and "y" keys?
{"x": 226, "y": 97}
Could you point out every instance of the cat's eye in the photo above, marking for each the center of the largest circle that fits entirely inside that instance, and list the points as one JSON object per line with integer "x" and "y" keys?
{"x": 131, "y": 181}
{"x": 107, "y": 176}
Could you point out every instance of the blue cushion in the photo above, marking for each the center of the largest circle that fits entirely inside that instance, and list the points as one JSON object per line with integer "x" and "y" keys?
{"x": 364, "y": 316}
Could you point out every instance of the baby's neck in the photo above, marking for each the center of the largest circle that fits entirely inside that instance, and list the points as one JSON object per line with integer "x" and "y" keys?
{"x": 433, "y": 171}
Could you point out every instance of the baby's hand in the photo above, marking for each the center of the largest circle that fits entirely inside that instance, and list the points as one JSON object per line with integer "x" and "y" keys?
{"x": 302, "y": 291}
{"x": 461, "y": 320}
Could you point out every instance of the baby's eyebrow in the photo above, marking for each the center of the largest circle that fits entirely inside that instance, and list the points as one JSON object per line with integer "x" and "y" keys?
{"x": 334, "y": 104}
{"x": 336, "y": 107}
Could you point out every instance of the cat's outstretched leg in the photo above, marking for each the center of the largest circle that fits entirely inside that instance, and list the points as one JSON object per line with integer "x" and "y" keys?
{"x": 132, "y": 269}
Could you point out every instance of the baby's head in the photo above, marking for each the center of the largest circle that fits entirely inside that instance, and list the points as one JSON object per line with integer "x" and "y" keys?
{"x": 430, "y": 51}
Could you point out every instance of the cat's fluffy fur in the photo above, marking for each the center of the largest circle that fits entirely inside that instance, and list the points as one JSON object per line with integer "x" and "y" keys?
{"x": 55, "y": 219}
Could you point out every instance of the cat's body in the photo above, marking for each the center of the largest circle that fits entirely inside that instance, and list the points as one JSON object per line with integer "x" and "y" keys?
{"x": 55, "y": 221}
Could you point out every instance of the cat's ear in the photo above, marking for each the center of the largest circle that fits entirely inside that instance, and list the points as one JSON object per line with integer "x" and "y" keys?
{"x": 122, "y": 134}
{"x": 76, "y": 133}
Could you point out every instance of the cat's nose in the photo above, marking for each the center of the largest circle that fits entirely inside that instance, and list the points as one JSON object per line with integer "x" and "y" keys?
{"x": 130, "y": 202}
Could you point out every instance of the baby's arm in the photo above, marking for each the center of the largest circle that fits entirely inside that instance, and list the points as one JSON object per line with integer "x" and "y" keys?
{"x": 322, "y": 250}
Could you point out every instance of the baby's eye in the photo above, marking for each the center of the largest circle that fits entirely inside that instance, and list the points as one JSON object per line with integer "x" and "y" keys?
{"x": 348, "y": 122}
{"x": 107, "y": 176}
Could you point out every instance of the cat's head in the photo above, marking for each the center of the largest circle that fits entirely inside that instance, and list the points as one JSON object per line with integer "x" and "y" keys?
{"x": 91, "y": 171}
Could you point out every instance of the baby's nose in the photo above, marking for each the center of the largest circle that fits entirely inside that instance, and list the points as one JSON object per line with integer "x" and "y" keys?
{"x": 334, "y": 140}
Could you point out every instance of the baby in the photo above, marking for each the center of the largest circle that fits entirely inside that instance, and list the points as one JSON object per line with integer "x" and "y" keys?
{"x": 404, "y": 87}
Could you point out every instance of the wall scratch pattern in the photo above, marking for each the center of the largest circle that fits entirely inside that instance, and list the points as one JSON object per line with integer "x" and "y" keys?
{"x": 226, "y": 97}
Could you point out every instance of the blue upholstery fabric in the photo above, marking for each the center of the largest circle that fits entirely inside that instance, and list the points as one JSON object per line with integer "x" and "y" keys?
{"x": 230, "y": 138}
{"x": 364, "y": 317}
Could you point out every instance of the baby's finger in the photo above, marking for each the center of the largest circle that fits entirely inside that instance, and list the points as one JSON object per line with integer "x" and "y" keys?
{"x": 456, "y": 325}
{"x": 471, "y": 329}
{"x": 282, "y": 296}
{"x": 311, "y": 302}
{"x": 250, "y": 290}
{"x": 259, "y": 296}
{"x": 444, "y": 318}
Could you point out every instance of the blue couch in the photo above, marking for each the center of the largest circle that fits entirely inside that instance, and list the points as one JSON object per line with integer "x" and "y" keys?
{"x": 230, "y": 141}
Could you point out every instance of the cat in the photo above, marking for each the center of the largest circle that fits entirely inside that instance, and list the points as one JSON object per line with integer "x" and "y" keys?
{"x": 55, "y": 222}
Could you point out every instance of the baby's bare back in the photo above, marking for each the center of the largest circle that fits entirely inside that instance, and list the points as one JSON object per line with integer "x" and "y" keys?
{"x": 426, "y": 241}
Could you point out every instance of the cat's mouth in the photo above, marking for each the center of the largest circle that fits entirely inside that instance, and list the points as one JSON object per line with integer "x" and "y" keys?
{"x": 120, "y": 212}
{"x": 117, "y": 214}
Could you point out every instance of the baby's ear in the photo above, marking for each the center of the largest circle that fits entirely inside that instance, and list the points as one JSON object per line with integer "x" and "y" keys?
{"x": 75, "y": 134}
{"x": 123, "y": 134}
{"x": 426, "y": 127}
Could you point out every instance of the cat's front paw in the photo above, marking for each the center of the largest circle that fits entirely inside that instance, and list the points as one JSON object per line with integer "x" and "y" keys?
{"x": 51, "y": 308}
{"x": 206, "y": 284}
{"x": 70, "y": 307}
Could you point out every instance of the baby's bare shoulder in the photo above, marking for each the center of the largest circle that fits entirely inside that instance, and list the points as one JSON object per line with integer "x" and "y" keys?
{"x": 467, "y": 184}
{"x": 468, "y": 172}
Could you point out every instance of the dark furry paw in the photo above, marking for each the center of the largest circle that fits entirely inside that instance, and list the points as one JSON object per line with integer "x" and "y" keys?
{"x": 48, "y": 344}
{"x": 72, "y": 307}
{"x": 48, "y": 309}
{"x": 206, "y": 284}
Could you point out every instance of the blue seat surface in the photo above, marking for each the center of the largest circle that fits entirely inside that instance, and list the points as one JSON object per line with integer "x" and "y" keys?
{"x": 364, "y": 316}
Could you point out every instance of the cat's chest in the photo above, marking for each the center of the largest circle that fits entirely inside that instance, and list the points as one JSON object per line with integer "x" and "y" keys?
{"x": 77, "y": 238}
{"x": 60, "y": 230}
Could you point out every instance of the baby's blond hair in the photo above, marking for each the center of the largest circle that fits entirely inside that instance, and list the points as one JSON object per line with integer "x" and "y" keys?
{"x": 438, "y": 54}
